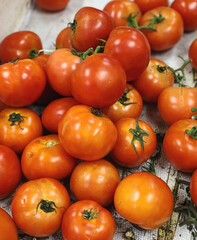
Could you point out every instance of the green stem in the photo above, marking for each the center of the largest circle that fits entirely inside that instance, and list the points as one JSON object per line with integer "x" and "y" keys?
{"x": 192, "y": 132}
{"x": 90, "y": 214}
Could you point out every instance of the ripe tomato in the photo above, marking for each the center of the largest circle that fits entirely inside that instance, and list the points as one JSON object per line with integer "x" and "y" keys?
{"x": 146, "y": 5}
{"x": 87, "y": 220}
{"x": 8, "y": 228}
{"x": 52, "y": 5}
{"x": 193, "y": 53}
{"x": 153, "y": 81}
{"x": 193, "y": 187}
{"x": 10, "y": 170}
{"x": 98, "y": 81}
{"x": 180, "y": 146}
{"x": 131, "y": 48}
{"x": 86, "y": 133}
{"x": 168, "y": 32}
{"x": 95, "y": 180}
{"x": 144, "y": 199}
{"x": 54, "y": 111}
{"x": 89, "y": 26}
{"x": 60, "y": 66}
{"x": 129, "y": 105}
{"x": 188, "y": 11}
{"x": 63, "y": 38}
{"x": 28, "y": 85}
{"x": 19, "y": 126}
{"x": 19, "y": 45}
{"x": 119, "y": 10}
{"x": 175, "y": 103}
{"x": 38, "y": 206}
{"x": 136, "y": 142}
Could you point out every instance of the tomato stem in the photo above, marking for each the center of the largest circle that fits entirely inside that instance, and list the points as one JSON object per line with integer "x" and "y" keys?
{"x": 73, "y": 25}
{"x": 90, "y": 214}
{"x": 96, "y": 112}
{"x": 47, "y": 206}
{"x": 123, "y": 99}
{"x": 34, "y": 53}
{"x": 192, "y": 133}
{"x": 194, "y": 110}
{"x": 14, "y": 60}
{"x": 16, "y": 119}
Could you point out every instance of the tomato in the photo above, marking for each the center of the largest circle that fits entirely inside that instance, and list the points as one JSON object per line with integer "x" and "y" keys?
{"x": 10, "y": 171}
{"x": 98, "y": 81}
{"x": 19, "y": 45}
{"x": 146, "y": 5}
{"x": 131, "y": 48}
{"x": 38, "y": 206}
{"x": 52, "y": 5}
{"x": 2, "y": 106}
{"x": 136, "y": 142}
{"x": 19, "y": 126}
{"x": 63, "y": 38}
{"x": 86, "y": 219}
{"x": 180, "y": 146}
{"x": 168, "y": 32}
{"x": 60, "y": 66}
{"x": 193, "y": 53}
{"x": 86, "y": 133}
{"x": 153, "y": 81}
{"x": 28, "y": 85}
{"x": 89, "y": 26}
{"x": 144, "y": 199}
{"x": 95, "y": 180}
{"x": 188, "y": 11}
{"x": 193, "y": 187}
{"x": 119, "y": 10}
{"x": 8, "y": 228}
{"x": 175, "y": 103}
{"x": 129, "y": 105}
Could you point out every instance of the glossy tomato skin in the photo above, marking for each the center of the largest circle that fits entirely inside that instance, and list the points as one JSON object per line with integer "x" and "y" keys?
{"x": 128, "y": 106}
{"x": 8, "y": 228}
{"x": 60, "y": 66}
{"x": 188, "y": 11}
{"x": 193, "y": 53}
{"x": 175, "y": 103}
{"x": 63, "y": 38}
{"x": 96, "y": 181}
{"x": 91, "y": 87}
{"x": 17, "y": 134}
{"x": 120, "y": 9}
{"x": 146, "y": 5}
{"x": 28, "y": 85}
{"x": 45, "y": 157}
{"x": 19, "y": 45}
{"x": 124, "y": 152}
{"x": 10, "y": 169}
{"x": 193, "y": 187}
{"x": 179, "y": 148}
{"x": 92, "y": 24}
{"x": 29, "y": 202}
{"x": 85, "y": 135}
{"x": 54, "y": 112}
{"x": 52, "y": 5}
{"x": 131, "y": 48}
{"x": 144, "y": 199}
{"x": 75, "y": 226}
{"x": 152, "y": 82}
{"x": 168, "y": 32}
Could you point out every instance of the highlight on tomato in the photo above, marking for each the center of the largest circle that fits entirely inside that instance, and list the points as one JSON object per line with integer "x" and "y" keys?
{"x": 52, "y": 5}
{"x": 193, "y": 53}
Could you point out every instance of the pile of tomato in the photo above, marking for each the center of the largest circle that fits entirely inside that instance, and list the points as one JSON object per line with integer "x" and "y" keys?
{"x": 92, "y": 89}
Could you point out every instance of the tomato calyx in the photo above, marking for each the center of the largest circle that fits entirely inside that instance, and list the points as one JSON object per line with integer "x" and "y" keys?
{"x": 14, "y": 60}
{"x": 138, "y": 134}
{"x": 50, "y": 144}
{"x": 73, "y": 25}
{"x": 192, "y": 133}
{"x": 90, "y": 214}
{"x": 194, "y": 110}
{"x": 96, "y": 112}
{"x": 47, "y": 206}
{"x": 123, "y": 99}
{"x": 16, "y": 119}
{"x": 34, "y": 53}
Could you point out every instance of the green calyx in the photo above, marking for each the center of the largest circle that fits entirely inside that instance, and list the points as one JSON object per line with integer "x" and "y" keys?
{"x": 73, "y": 25}
{"x": 192, "y": 132}
{"x": 96, "y": 112}
{"x": 47, "y": 206}
{"x": 90, "y": 214}
{"x": 16, "y": 119}
{"x": 123, "y": 100}
{"x": 194, "y": 110}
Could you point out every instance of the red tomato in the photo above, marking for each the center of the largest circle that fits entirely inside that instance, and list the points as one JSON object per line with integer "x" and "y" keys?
{"x": 8, "y": 228}
{"x": 120, "y": 9}
{"x": 87, "y": 220}
{"x": 136, "y": 142}
{"x": 129, "y": 105}
{"x": 60, "y": 66}
{"x": 52, "y": 5}
{"x": 19, "y": 126}
{"x": 86, "y": 133}
{"x": 10, "y": 170}
{"x": 146, "y": 5}
{"x": 152, "y": 81}
{"x": 188, "y": 11}
{"x": 95, "y": 180}
{"x": 168, "y": 32}
{"x": 28, "y": 85}
{"x": 54, "y": 112}
{"x": 19, "y": 45}
{"x": 175, "y": 103}
{"x": 131, "y": 48}
{"x": 98, "y": 81}
{"x": 45, "y": 157}
{"x": 193, "y": 187}
{"x": 89, "y": 26}
{"x": 193, "y": 53}
{"x": 38, "y": 206}
{"x": 180, "y": 146}
{"x": 144, "y": 199}
{"x": 63, "y": 38}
